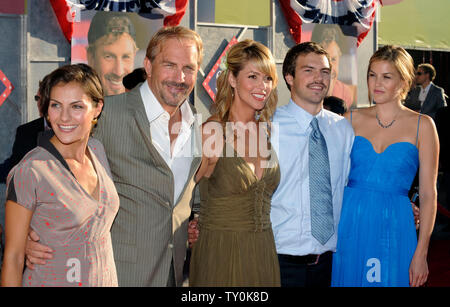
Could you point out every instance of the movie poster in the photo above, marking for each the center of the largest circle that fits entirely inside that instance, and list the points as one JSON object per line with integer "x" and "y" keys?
{"x": 113, "y": 43}
{"x": 341, "y": 43}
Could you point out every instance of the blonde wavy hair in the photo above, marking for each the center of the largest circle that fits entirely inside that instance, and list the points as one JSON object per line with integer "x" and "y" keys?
{"x": 401, "y": 60}
{"x": 237, "y": 57}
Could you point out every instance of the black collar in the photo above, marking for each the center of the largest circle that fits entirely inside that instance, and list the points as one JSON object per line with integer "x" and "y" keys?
{"x": 44, "y": 142}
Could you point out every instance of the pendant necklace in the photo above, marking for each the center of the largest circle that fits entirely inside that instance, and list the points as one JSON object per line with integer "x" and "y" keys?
{"x": 388, "y": 125}
{"x": 381, "y": 124}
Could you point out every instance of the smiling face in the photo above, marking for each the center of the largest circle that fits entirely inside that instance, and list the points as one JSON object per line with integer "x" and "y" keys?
{"x": 173, "y": 72}
{"x": 70, "y": 113}
{"x": 113, "y": 59}
{"x": 251, "y": 88}
{"x": 384, "y": 82}
{"x": 311, "y": 82}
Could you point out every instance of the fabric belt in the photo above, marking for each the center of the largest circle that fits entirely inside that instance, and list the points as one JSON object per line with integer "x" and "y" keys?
{"x": 310, "y": 259}
{"x": 372, "y": 187}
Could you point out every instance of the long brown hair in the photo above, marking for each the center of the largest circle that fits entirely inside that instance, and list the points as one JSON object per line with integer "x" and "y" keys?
{"x": 237, "y": 57}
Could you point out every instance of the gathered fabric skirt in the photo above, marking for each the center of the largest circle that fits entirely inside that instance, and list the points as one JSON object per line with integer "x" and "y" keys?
{"x": 376, "y": 240}
{"x": 224, "y": 258}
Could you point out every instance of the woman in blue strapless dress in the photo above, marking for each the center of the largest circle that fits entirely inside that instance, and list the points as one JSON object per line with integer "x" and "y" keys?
{"x": 377, "y": 241}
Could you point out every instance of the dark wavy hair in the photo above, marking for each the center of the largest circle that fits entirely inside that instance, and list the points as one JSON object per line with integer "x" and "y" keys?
{"x": 290, "y": 61}
{"x": 82, "y": 74}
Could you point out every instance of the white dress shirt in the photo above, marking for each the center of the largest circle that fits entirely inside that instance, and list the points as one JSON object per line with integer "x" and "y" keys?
{"x": 290, "y": 214}
{"x": 180, "y": 159}
{"x": 423, "y": 93}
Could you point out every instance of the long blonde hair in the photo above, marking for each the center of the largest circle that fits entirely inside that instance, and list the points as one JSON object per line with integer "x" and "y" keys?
{"x": 237, "y": 57}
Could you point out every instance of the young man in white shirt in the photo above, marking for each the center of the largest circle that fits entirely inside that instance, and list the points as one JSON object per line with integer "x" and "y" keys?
{"x": 304, "y": 261}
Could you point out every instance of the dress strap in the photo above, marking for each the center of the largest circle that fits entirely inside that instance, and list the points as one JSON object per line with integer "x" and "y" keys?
{"x": 351, "y": 115}
{"x": 417, "y": 134}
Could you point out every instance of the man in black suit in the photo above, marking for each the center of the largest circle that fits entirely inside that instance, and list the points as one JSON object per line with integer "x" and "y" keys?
{"x": 26, "y": 140}
{"x": 426, "y": 98}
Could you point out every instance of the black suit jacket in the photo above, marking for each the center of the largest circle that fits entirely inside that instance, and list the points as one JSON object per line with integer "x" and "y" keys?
{"x": 434, "y": 101}
{"x": 26, "y": 140}
{"x": 443, "y": 129}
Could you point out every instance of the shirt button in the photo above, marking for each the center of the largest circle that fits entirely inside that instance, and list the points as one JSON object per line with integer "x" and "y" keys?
{"x": 170, "y": 245}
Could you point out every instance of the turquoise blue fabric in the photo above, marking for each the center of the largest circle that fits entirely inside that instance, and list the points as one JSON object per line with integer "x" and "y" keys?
{"x": 376, "y": 233}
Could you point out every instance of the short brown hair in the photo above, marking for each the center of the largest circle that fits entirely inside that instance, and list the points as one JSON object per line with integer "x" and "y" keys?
{"x": 305, "y": 48}
{"x": 83, "y": 74}
{"x": 178, "y": 32}
{"x": 428, "y": 69}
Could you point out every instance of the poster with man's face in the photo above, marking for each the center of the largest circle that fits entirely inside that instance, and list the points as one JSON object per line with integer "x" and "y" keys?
{"x": 113, "y": 43}
{"x": 340, "y": 42}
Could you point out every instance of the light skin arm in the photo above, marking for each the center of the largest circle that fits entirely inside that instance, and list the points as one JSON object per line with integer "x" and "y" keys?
{"x": 212, "y": 135}
{"x": 428, "y": 157}
{"x": 212, "y": 138}
{"x": 17, "y": 223}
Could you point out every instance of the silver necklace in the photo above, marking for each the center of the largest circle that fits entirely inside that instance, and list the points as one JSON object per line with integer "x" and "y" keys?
{"x": 381, "y": 124}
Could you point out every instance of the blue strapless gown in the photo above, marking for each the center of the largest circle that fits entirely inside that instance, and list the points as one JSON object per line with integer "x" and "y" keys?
{"x": 376, "y": 234}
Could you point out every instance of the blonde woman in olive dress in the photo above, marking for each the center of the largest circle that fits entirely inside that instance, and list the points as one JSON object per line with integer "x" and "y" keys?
{"x": 238, "y": 175}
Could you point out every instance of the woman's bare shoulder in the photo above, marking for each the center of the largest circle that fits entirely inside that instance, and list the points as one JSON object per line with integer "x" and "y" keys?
{"x": 358, "y": 114}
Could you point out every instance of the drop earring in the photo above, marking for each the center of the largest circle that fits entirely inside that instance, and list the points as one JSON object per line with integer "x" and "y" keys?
{"x": 257, "y": 115}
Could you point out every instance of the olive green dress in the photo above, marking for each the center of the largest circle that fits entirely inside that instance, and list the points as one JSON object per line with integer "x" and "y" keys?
{"x": 236, "y": 246}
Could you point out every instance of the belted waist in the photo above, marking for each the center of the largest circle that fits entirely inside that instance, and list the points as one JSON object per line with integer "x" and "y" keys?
{"x": 310, "y": 259}
{"x": 371, "y": 187}
{"x": 241, "y": 212}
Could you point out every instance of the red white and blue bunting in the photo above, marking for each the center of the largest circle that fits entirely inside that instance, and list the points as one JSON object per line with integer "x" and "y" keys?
{"x": 172, "y": 11}
{"x": 359, "y": 13}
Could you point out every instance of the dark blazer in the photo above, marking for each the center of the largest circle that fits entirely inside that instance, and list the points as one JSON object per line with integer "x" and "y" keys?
{"x": 443, "y": 129}
{"x": 149, "y": 233}
{"x": 26, "y": 140}
{"x": 434, "y": 101}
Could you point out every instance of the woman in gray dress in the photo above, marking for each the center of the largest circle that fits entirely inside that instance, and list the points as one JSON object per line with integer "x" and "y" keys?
{"x": 64, "y": 191}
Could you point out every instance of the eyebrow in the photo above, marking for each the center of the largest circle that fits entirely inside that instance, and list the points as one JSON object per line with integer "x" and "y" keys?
{"x": 308, "y": 66}
{"x": 190, "y": 66}
{"x": 384, "y": 73}
{"x": 170, "y": 62}
{"x": 76, "y": 101}
{"x": 108, "y": 53}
